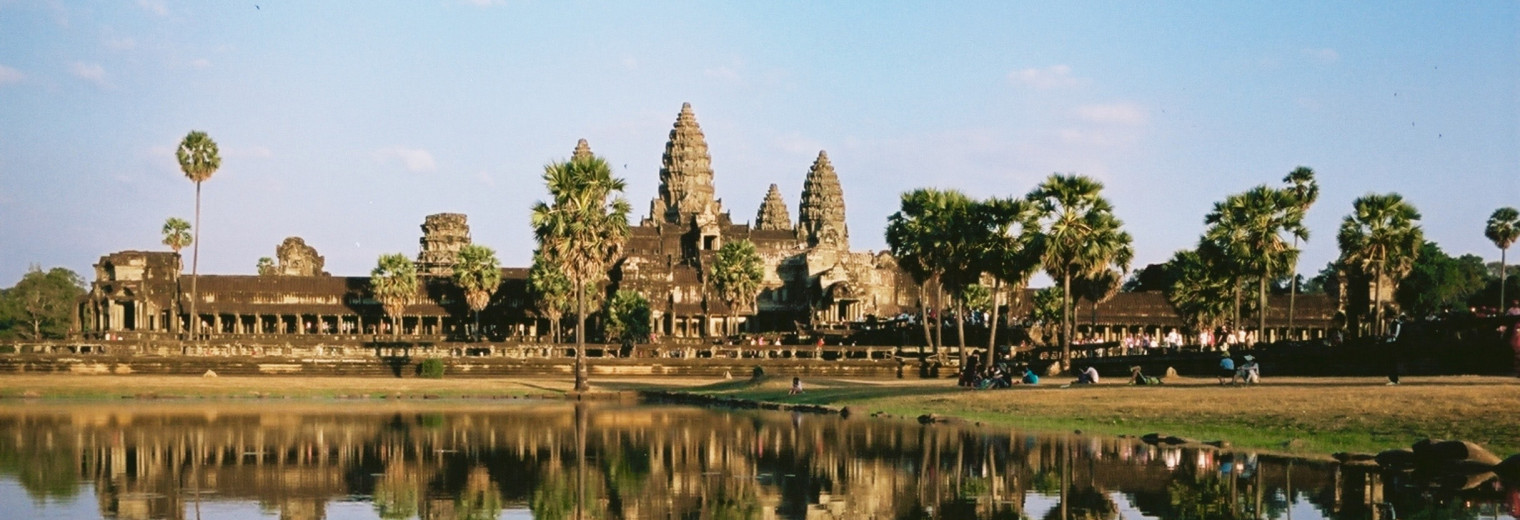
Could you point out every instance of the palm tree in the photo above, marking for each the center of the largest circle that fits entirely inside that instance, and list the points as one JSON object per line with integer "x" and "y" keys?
{"x": 1250, "y": 225}
{"x": 1201, "y": 293}
{"x": 265, "y": 266}
{"x": 584, "y": 225}
{"x": 736, "y": 275}
{"x": 1305, "y": 190}
{"x": 550, "y": 289}
{"x": 394, "y": 284}
{"x": 1380, "y": 237}
{"x": 1011, "y": 252}
{"x": 479, "y": 274}
{"x": 912, "y": 236}
{"x": 198, "y": 159}
{"x": 1503, "y": 229}
{"x": 177, "y": 233}
{"x": 1098, "y": 288}
{"x": 1081, "y": 237}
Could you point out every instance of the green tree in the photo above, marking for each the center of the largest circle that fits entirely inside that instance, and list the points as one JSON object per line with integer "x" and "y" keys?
{"x": 1250, "y": 227}
{"x": 628, "y": 317}
{"x": 1305, "y": 191}
{"x": 478, "y": 273}
{"x": 1081, "y": 237}
{"x": 1045, "y": 309}
{"x": 585, "y": 225}
{"x": 42, "y": 304}
{"x": 1199, "y": 292}
{"x": 1438, "y": 281}
{"x": 199, "y": 159}
{"x": 915, "y": 235}
{"x": 1010, "y": 252}
{"x": 1380, "y": 238}
{"x": 1097, "y": 288}
{"x": 177, "y": 233}
{"x": 1503, "y": 229}
{"x": 736, "y": 275}
{"x": 265, "y": 266}
{"x": 394, "y": 284}
{"x": 550, "y": 289}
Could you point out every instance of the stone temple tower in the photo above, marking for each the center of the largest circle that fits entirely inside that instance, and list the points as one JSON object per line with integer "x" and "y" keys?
{"x": 820, "y": 217}
{"x": 773, "y": 215}
{"x": 686, "y": 175}
{"x": 443, "y": 234}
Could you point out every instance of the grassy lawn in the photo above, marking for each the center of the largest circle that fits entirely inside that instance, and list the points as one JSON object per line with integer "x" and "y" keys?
{"x": 1297, "y": 415}
{"x": 140, "y": 386}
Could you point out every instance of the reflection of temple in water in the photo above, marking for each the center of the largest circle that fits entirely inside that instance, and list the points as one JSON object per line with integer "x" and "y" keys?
{"x": 457, "y": 461}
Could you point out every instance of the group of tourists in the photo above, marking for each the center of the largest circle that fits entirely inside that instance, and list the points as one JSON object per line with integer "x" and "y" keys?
{"x": 1000, "y": 374}
{"x": 1247, "y": 372}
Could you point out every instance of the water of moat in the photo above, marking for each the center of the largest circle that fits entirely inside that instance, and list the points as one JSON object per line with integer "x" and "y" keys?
{"x": 490, "y": 459}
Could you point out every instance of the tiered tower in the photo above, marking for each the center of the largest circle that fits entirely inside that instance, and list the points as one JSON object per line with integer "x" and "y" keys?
{"x": 686, "y": 175}
{"x": 582, "y": 150}
{"x": 820, "y": 217}
{"x": 443, "y": 235}
{"x": 773, "y": 215}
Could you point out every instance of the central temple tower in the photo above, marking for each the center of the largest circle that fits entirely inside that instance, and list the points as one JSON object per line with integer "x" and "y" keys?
{"x": 686, "y": 175}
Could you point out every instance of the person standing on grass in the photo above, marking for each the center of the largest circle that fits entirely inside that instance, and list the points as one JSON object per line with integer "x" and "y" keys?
{"x": 1394, "y": 347}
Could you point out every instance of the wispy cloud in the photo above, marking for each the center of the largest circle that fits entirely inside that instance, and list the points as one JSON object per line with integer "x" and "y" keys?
{"x": 630, "y": 63}
{"x": 1115, "y": 113}
{"x": 482, "y": 3}
{"x": 1052, "y": 77}
{"x": 9, "y": 75}
{"x": 200, "y": 63}
{"x": 154, "y": 6}
{"x": 415, "y": 160}
{"x": 1322, "y": 56}
{"x": 91, "y": 72}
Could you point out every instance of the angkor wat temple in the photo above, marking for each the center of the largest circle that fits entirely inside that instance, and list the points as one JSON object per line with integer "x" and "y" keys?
{"x": 812, "y": 277}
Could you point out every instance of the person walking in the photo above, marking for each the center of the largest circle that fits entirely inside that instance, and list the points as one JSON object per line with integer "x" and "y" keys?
{"x": 1395, "y": 345}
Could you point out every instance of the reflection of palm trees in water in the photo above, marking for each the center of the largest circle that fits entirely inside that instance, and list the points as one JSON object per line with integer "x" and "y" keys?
{"x": 397, "y": 491}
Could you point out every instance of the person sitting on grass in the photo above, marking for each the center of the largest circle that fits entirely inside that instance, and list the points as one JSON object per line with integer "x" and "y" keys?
{"x": 1226, "y": 367}
{"x": 1139, "y": 378}
{"x": 1087, "y": 376}
{"x": 1248, "y": 372}
{"x": 1030, "y": 378}
{"x": 796, "y": 386}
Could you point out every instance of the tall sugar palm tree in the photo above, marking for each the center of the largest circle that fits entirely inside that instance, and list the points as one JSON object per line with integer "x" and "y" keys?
{"x": 1380, "y": 237}
{"x": 177, "y": 233}
{"x": 1503, "y": 229}
{"x": 1251, "y": 225}
{"x": 394, "y": 284}
{"x": 1081, "y": 237}
{"x": 736, "y": 275}
{"x": 479, "y": 273}
{"x": 1200, "y": 293}
{"x": 1098, "y": 288}
{"x": 924, "y": 237}
{"x": 1305, "y": 191}
{"x": 550, "y": 289}
{"x": 199, "y": 159}
{"x": 584, "y": 224}
{"x": 1011, "y": 252}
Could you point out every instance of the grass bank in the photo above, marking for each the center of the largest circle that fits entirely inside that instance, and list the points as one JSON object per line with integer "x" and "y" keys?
{"x": 276, "y": 387}
{"x": 1295, "y": 415}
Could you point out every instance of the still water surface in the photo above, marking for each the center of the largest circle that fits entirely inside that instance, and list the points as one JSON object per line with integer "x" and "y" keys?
{"x": 551, "y": 460}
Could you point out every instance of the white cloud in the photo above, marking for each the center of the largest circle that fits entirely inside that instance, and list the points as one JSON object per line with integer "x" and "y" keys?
{"x": 1323, "y": 56}
{"x": 482, "y": 3}
{"x": 630, "y": 63}
{"x": 10, "y": 75}
{"x": 1115, "y": 113}
{"x": 486, "y": 179}
{"x": 154, "y": 6}
{"x": 1052, "y": 77}
{"x": 200, "y": 63}
{"x": 414, "y": 159}
{"x": 91, "y": 72}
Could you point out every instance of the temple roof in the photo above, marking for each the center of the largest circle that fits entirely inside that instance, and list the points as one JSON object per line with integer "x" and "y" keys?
{"x": 773, "y": 214}
{"x": 820, "y": 217}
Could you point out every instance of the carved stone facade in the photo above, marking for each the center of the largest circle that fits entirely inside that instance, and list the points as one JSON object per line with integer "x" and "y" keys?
{"x": 443, "y": 234}
{"x": 811, "y": 276}
{"x": 298, "y": 259}
{"x": 773, "y": 215}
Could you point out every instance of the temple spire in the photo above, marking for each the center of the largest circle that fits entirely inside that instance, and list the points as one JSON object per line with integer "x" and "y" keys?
{"x": 582, "y": 150}
{"x": 773, "y": 215}
{"x": 820, "y": 217}
{"x": 686, "y": 174}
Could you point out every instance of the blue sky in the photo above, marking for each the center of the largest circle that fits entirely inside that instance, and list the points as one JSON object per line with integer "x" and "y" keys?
{"x": 346, "y": 123}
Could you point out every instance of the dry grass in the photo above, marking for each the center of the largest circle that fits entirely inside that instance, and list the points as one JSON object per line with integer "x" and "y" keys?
{"x": 1318, "y": 415}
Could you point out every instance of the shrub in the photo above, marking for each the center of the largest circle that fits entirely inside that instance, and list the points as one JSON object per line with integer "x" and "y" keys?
{"x": 431, "y": 368}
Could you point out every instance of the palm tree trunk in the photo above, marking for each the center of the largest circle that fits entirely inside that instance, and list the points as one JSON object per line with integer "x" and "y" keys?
{"x": 1261, "y": 307}
{"x": 939, "y": 313}
{"x": 960, "y": 326}
{"x": 580, "y": 337}
{"x": 1502, "y": 269}
{"x": 195, "y": 263}
{"x": 923, "y": 316}
{"x": 1066, "y": 320}
{"x": 1292, "y": 289}
{"x": 992, "y": 322}
{"x": 1377, "y": 298}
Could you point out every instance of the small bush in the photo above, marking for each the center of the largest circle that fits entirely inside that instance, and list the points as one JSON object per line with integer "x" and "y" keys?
{"x": 431, "y": 368}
